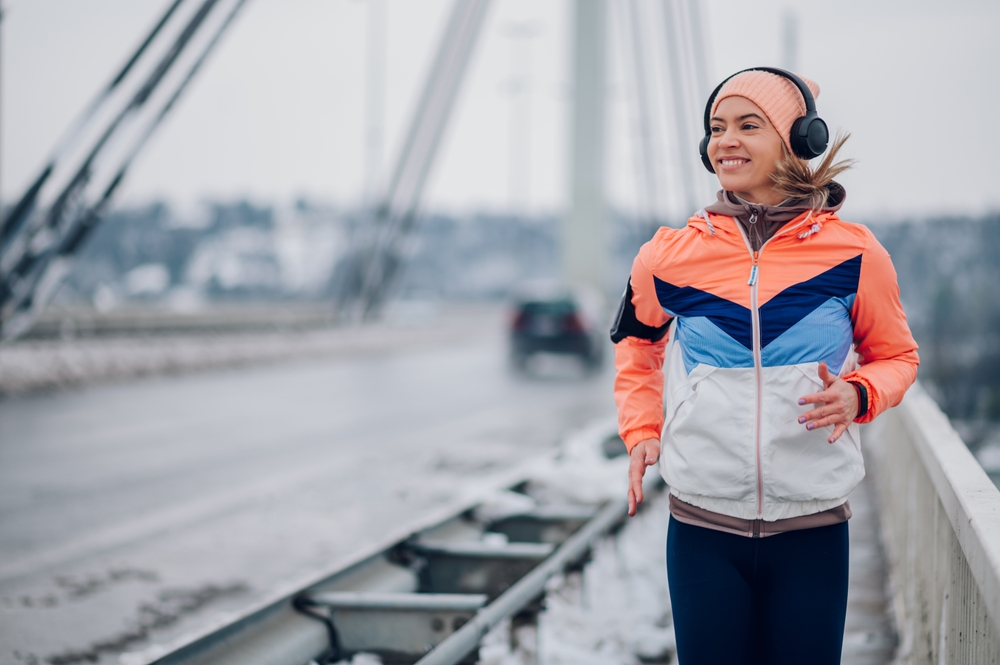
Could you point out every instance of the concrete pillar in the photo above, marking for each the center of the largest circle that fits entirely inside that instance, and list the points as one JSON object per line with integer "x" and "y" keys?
{"x": 585, "y": 237}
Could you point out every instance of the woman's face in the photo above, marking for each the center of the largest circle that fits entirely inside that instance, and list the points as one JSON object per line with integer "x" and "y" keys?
{"x": 745, "y": 150}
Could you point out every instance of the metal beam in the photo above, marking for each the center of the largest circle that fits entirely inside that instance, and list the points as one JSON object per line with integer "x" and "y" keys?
{"x": 585, "y": 246}
{"x": 30, "y": 270}
{"x": 646, "y": 143}
{"x": 684, "y": 138}
{"x": 476, "y": 567}
{"x": 396, "y": 626}
{"x": 459, "y": 645}
{"x": 27, "y": 201}
{"x": 375, "y": 259}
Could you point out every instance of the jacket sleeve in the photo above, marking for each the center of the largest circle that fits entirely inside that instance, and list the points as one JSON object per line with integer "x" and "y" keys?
{"x": 886, "y": 348}
{"x": 640, "y": 337}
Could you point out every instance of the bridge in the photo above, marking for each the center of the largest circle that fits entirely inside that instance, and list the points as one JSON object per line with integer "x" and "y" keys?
{"x": 234, "y": 516}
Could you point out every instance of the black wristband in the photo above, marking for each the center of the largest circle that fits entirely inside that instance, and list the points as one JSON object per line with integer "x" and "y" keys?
{"x": 862, "y": 398}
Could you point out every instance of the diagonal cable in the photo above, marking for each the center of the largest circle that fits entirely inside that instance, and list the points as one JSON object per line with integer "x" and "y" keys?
{"x": 14, "y": 219}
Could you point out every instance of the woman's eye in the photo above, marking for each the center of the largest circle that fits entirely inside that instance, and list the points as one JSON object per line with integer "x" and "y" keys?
{"x": 749, "y": 125}
{"x": 716, "y": 130}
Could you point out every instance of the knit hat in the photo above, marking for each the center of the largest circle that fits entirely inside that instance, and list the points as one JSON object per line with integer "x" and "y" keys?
{"x": 777, "y": 96}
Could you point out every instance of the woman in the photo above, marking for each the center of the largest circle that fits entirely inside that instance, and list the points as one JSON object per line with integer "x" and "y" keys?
{"x": 785, "y": 331}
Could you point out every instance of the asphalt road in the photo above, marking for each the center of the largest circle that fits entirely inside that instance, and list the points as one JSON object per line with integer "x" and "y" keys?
{"x": 131, "y": 514}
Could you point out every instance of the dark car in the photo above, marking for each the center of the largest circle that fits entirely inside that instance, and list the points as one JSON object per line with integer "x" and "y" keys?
{"x": 554, "y": 324}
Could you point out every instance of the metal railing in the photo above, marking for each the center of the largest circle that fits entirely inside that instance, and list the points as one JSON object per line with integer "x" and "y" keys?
{"x": 940, "y": 521}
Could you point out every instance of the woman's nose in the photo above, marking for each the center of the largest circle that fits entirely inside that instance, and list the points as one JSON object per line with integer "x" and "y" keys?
{"x": 729, "y": 139}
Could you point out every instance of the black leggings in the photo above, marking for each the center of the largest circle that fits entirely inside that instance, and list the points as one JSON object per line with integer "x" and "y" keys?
{"x": 762, "y": 601}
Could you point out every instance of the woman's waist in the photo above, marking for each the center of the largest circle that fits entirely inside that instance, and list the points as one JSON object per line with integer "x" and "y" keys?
{"x": 755, "y": 528}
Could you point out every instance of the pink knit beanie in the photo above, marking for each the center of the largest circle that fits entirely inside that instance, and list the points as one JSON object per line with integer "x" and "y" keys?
{"x": 778, "y": 97}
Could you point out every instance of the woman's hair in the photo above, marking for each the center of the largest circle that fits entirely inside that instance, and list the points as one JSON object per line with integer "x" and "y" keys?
{"x": 795, "y": 179}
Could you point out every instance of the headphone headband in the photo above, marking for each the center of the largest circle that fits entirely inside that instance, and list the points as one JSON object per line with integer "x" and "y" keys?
{"x": 809, "y": 135}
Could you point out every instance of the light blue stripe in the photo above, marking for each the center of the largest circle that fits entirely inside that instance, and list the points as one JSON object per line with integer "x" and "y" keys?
{"x": 825, "y": 334}
{"x": 702, "y": 342}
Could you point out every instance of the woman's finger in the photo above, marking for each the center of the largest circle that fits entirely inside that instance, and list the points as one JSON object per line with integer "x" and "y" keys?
{"x": 642, "y": 455}
{"x": 812, "y": 415}
{"x": 635, "y": 473}
{"x": 835, "y": 419}
{"x": 838, "y": 431}
{"x": 821, "y": 412}
{"x": 634, "y": 496}
{"x": 816, "y": 398}
{"x": 825, "y": 376}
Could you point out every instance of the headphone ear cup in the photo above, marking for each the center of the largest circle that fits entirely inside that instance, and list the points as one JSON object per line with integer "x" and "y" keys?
{"x": 703, "y": 150}
{"x": 810, "y": 136}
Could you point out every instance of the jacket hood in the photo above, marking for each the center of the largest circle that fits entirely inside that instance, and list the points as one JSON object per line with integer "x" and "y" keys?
{"x": 761, "y": 222}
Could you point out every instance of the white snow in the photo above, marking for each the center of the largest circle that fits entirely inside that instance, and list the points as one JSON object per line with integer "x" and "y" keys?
{"x": 147, "y": 279}
{"x": 616, "y": 609}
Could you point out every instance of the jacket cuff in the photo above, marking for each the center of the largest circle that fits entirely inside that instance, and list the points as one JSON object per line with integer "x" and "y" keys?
{"x": 633, "y": 438}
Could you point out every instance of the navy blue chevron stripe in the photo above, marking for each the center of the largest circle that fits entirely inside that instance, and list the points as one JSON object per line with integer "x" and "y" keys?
{"x": 682, "y": 301}
{"x": 776, "y": 316}
{"x": 798, "y": 301}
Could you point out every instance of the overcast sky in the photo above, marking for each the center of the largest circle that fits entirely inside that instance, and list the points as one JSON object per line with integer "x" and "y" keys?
{"x": 279, "y": 111}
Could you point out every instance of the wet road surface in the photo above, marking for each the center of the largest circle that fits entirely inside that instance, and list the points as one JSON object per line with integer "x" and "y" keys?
{"x": 134, "y": 513}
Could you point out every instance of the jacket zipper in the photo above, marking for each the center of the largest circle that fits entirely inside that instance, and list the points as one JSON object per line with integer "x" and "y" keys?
{"x": 758, "y": 375}
{"x": 757, "y": 362}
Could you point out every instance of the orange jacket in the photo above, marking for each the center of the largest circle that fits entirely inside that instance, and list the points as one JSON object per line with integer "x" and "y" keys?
{"x": 749, "y": 330}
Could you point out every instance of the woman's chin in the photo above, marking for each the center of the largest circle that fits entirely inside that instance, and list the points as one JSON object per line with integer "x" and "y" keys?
{"x": 732, "y": 184}
{"x": 738, "y": 184}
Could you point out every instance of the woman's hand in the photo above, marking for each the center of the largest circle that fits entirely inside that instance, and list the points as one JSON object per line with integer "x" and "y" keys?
{"x": 838, "y": 404}
{"x": 644, "y": 454}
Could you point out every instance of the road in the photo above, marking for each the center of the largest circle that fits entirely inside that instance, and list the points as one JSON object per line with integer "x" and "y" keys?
{"x": 133, "y": 513}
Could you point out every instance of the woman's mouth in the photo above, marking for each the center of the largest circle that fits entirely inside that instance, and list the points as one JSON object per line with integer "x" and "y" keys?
{"x": 730, "y": 163}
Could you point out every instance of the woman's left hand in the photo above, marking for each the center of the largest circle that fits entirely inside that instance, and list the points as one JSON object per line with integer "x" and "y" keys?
{"x": 838, "y": 404}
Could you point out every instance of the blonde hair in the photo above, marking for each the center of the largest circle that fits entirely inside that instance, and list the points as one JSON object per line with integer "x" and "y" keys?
{"x": 796, "y": 180}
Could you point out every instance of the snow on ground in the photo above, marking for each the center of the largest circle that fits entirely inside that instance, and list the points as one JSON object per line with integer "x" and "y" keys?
{"x": 32, "y": 366}
{"x": 616, "y": 609}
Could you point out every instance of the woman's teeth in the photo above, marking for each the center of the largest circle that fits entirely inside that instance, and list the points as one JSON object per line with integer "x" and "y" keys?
{"x": 733, "y": 162}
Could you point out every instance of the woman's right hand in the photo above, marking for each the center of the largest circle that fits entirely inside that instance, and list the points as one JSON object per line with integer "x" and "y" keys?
{"x": 645, "y": 453}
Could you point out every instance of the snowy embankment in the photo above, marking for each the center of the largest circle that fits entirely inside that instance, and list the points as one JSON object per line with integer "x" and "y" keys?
{"x": 33, "y": 366}
{"x": 616, "y": 609}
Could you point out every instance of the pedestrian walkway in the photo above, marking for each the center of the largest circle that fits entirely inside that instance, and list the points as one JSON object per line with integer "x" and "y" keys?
{"x": 870, "y": 638}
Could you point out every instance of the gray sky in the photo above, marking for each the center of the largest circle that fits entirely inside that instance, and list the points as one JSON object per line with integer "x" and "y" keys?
{"x": 278, "y": 112}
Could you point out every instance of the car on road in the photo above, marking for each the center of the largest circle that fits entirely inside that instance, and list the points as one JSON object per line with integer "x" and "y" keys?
{"x": 555, "y": 323}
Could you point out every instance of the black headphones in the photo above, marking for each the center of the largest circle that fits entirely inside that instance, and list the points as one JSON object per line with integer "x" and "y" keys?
{"x": 809, "y": 135}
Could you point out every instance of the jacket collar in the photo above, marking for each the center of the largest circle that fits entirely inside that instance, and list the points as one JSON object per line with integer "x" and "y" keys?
{"x": 773, "y": 220}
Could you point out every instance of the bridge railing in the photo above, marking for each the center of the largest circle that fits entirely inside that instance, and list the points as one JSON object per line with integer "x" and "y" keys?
{"x": 940, "y": 521}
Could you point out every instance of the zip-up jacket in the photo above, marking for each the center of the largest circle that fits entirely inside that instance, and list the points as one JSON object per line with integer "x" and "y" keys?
{"x": 747, "y": 331}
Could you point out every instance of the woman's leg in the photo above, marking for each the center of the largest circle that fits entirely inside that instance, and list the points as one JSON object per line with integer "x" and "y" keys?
{"x": 708, "y": 574}
{"x": 802, "y": 592}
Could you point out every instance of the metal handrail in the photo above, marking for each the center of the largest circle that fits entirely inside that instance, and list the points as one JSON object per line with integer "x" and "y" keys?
{"x": 461, "y": 643}
{"x": 970, "y": 499}
{"x": 939, "y": 516}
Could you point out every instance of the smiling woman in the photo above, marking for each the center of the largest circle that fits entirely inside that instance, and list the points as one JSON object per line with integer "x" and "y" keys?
{"x": 787, "y": 333}
{"x": 745, "y": 149}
